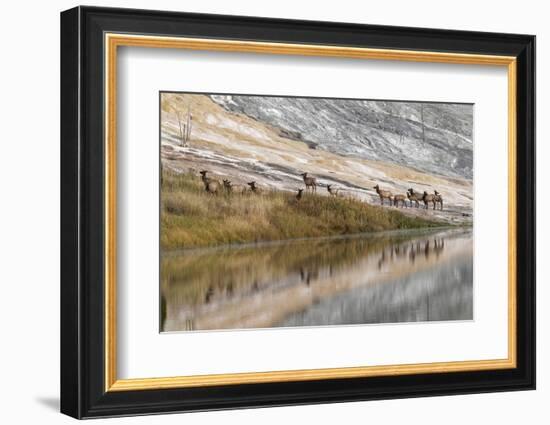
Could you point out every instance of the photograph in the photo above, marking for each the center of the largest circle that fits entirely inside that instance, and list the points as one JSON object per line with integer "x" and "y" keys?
{"x": 308, "y": 211}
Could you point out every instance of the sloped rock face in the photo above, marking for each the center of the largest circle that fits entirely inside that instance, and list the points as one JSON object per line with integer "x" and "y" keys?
{"x": 430, "y": 137}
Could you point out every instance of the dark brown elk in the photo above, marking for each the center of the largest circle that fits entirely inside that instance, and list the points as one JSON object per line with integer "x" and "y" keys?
{"x": 414, "y": 197}
{"x": 299, "y": 194}
{"x": 204, "y": 176}
{"x": 400, "y": 198}
{"x": 427, "y": 198}
{"x": 383, "y": 194}
{"x": 439, "y": 199}
{"x": 254, "y": 187}
{"x": 210, "y": 185}
{"x": 310, "y": 182}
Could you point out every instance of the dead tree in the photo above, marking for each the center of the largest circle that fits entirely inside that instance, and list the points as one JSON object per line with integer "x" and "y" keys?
{"x": 185, "y": 123}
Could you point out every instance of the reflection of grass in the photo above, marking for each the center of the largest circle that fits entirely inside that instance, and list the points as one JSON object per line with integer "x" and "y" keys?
{"x": 187, "y": 277}
{"x": 190, "y": 217}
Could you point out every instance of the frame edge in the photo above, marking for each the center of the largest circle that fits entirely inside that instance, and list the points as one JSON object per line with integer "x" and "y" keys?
{"x": 70, "y": 380}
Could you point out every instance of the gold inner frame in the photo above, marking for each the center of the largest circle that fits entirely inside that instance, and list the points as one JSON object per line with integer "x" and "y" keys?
{"x": 113, "y": 41}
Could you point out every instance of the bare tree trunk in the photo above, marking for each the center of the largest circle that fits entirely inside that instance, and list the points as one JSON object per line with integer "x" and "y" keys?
{"x": 182, "y": 127}
{"x": 185, "y": 123}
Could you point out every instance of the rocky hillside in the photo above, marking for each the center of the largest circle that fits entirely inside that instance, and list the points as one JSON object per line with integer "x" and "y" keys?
{"x": 431, "y": 137}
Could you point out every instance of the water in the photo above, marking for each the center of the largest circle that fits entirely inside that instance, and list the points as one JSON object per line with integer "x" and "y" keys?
{"x": 393, "y": 277}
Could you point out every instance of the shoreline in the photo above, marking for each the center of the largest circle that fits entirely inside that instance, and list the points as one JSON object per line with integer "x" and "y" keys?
{"x": 261, "y": 244}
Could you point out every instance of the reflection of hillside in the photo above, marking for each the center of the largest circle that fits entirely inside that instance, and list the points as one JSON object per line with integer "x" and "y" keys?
{"x": 444, "y": 292}
{"x": 204, "y": 286}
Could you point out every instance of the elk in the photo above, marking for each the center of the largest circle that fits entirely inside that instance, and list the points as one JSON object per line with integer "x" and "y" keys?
{"x": 227, "y": 185}
{"x": 414, "y": 196}
{"x": 232, "y": 188}
{"x": 299, "y": 194}
{"x": 427, "y": 198}
{"x": 210, "y": 185}
{"x": 310, "y": 182}
{"x": 439, "y": 199}
{"x": 400, "y": 198}
{"x": 332, "y": 191}
{"x": 253, "y": 187}
{"x": 205, "y": 179}
{"x": 384, "y": 194}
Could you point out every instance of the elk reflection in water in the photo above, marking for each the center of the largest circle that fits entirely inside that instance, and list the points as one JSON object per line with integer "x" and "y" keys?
{"x": 394, "y": 277}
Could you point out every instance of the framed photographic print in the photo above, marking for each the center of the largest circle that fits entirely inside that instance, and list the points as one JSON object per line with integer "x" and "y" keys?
{"x": 261, "y": 212}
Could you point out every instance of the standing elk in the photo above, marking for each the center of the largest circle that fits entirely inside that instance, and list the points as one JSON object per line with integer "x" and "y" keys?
{"x": 227, "y": 185}
{"x": 332, "y": 191}
{"x": 233, "y": 188}
{"x": 400, "y": 198}
{"x": 253, "y": 187}
{"x": 427, "y": 198}
{"x": 414, "y": 196}
{"x": 439, "y": 199}
{"x": 310, "y": 182}
{"x": 384, "y": 194}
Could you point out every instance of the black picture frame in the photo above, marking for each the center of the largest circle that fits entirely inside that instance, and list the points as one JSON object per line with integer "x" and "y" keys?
{"x": 83, "y": 392}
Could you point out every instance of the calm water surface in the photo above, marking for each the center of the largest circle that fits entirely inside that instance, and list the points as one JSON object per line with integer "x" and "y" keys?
{"x": 384, "y": 278}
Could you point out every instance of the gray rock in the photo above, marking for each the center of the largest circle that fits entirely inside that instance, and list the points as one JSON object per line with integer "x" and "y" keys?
{"x": 377, "y": 130}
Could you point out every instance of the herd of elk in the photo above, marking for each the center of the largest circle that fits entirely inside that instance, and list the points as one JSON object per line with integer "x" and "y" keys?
{"x": 213, "y": 186}
{"x": 412, "y": 196}
{"x": 428, "y": 198}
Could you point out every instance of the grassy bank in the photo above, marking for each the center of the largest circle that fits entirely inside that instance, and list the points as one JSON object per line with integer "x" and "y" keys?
{"x": 190, "y": 217}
